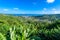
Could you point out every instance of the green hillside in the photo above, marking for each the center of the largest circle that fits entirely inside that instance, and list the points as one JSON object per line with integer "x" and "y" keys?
{"x": 29, "y": 28}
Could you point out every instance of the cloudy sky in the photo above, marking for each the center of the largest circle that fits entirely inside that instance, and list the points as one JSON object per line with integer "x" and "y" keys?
{"x": 30, "y": 6}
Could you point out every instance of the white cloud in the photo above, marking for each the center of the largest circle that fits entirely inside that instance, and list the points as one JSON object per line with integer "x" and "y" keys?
{"x": 53, "y": 9}
{"x": 44, "y": 9}
{"x": 15, "y": 8}
{"x": 57, "y": 12}
{"x": 5, "y": 9}
{"x": 50, "y": 1}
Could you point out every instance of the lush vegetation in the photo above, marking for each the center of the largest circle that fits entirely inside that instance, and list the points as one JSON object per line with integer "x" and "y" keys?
{"x": 28, "y": 28}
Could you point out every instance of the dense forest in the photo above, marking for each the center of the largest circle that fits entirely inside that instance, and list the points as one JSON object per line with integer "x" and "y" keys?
{"x": 46, "y": 27}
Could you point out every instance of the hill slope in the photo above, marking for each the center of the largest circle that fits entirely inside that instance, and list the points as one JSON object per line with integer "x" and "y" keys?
{"x": 29, "y": 28}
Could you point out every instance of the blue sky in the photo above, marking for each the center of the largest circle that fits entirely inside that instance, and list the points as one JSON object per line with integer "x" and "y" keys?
{"x": 30, "y": 6}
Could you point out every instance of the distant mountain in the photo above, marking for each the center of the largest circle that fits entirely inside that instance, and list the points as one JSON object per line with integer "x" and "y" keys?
{"x": 43, "y": 17}
{"x": 49, "y": 17}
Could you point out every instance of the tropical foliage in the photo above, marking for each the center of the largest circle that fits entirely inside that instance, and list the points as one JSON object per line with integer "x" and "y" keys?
{"x": 28, "y": 28}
